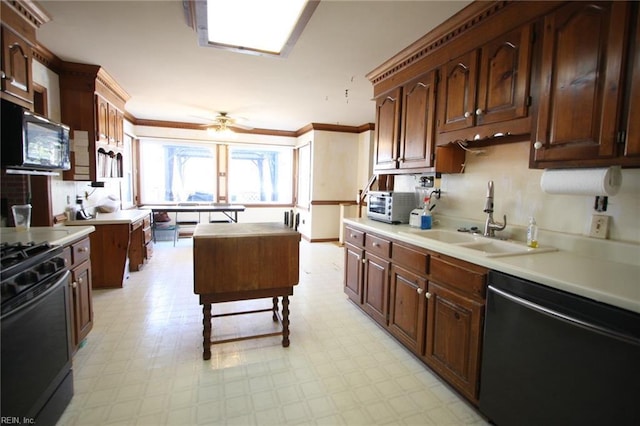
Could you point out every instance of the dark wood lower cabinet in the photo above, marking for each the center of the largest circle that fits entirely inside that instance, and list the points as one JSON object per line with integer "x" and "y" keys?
{"x": 407, "y": 310}
{"x": 376, "y": 288}
{"x": 454, "y": 330}
{"x": 431, "y": 303}
{"x": 77, "y": 257}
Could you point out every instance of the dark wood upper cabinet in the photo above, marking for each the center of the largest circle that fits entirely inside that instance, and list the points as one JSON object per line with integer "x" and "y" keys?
{"x": 581, "y": 84}
{"x": 387, "y": 126}
{"x": 457, "y": 97}
{"x": 16, "y": 66}
{"x": 418, "y": 122}
{"x": 632, "y": 147}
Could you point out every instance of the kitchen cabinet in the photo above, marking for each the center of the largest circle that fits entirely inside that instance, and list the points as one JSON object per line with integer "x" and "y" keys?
{"x": 407, "y": 296}
{"x": 353, "y": 264}
{"x": 632, "y": 145}
{"x": 141, "y": 245}
{"x": 455, "y": 312}
{"x": 485, "y": 91}
{"x": 78, "y": 259}
{"x": 387, "y": 127}
{"x": 431, "y": 303}
{"x": 418, "y": 122}
{"x": 18, "y": 36}
{"x": 92, "y": 104}
{"x": 581, "y": 86}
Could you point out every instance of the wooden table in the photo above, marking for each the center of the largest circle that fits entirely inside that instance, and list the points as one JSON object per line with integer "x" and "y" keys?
{"x": 242, "y": 261}
{"x": 229, "y": 210}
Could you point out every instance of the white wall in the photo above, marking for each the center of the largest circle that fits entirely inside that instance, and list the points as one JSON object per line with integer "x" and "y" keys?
{"x": 518, "y": 195}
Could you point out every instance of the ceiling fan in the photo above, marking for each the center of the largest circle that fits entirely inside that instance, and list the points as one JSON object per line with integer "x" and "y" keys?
{"x": 223, "y": 123}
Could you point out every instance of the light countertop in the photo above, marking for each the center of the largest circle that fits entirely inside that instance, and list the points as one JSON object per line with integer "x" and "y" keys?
{"x": 54, "y": 235}
{"x": 121, "y": 216}
{"x": 229, "y": 230}
{"x": 598, "y": 277}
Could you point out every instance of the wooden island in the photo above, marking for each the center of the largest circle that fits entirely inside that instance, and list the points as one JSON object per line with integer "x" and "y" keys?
{"x": 242, "y": 261}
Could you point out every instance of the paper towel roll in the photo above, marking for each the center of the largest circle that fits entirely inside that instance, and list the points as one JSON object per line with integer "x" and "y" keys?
{"x": 604, "y": 181}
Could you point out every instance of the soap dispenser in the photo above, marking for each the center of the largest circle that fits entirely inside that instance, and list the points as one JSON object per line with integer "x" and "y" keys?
{"x": 425, "y": 218}
{"x": 532, "y": 233}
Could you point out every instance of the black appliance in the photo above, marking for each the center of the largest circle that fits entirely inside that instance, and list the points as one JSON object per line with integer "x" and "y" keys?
{"x": 31, "y": 141}
{"x": 555, "y": 358}
{"x": 37, "y": 380}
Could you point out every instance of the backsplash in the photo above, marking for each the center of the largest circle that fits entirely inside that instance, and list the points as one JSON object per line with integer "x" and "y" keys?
{"x": 518, "y": 195}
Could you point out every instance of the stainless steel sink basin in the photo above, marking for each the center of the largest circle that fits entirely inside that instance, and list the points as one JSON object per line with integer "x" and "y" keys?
{"x": 488, "y": 247}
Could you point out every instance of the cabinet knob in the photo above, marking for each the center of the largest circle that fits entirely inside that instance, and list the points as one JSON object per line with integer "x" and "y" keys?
{"x": 74, "y": 284}
{"x": 3, "y": 75}
{"x": 467, "y": 114}
{"x": 537, "y": 145}
{"x": 79, "y": 280}
{"x": 419, "y": 290}
{"x": 375, "y": 244}
{"x": 479, "y": 111}
{"x": 364, "y": 260}
{"x": 427, "y": 295}
{"x": 83, "y": 249}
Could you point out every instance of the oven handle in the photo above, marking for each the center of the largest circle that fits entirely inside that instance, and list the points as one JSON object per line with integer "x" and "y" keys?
{"x": 61, "y": 277}
{"x": 563, "y": 317}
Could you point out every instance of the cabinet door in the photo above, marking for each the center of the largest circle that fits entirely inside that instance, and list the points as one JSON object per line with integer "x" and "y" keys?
{"x": 580, "y": 82}
{"x": 353, "y": 272}
{"x": 376, "y": 288}
{"x": 387, "y": 124}
{"x": 102, "y": 110}
{"x": 505, "y": 69}
{"x": 418, "y": 117}
{"x": 112, "y": 124}
{"x": 632, "y": 147}
{"x": 82, "y": 303}
{"x": 16, "y": 66}
{"x": 119, "y": 129}
{"x": 407, "y": 307}
{"x": 457, "y": 93}
{"x": 454, "y": 328}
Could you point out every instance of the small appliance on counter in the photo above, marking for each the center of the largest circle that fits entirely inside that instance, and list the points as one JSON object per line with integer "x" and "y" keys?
{"x": 390, "y": 206}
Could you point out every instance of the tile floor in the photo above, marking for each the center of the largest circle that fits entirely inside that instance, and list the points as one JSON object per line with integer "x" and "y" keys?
{"x": 142, "y": 363}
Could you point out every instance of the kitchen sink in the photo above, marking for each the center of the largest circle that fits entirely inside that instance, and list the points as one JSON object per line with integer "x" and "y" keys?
{"x": 489, "y": 247}
{"x": 452, "y": 237}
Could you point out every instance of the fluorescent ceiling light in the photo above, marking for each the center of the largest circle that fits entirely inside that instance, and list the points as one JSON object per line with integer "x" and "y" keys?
{"x": 262, "y": 27}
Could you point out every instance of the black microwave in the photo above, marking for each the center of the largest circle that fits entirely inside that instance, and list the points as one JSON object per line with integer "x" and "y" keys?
{"x": 32, "y": 142}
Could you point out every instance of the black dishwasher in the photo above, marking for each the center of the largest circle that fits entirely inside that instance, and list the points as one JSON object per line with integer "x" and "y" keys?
{"x": 554, "y": 358}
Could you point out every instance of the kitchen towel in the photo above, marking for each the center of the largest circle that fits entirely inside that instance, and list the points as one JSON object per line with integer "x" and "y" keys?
{"x": 602, "y": 181}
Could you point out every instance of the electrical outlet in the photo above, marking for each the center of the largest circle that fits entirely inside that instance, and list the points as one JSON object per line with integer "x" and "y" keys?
{"x": 599, "y": 226}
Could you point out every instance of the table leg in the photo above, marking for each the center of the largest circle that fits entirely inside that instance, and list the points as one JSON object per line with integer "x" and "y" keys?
{"x": 275, "y": 309}
{"x": 285, "y": 321}
{"x": 206, "y": 332}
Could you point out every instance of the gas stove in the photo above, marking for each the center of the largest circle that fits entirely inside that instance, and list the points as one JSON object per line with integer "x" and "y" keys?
{"x": 24, "y": 266}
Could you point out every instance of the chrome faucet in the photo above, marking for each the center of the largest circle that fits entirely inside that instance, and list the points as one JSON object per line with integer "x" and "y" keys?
{"x": 490, "y": 227}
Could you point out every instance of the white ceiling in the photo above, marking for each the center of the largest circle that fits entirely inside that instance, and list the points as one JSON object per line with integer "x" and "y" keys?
{"x": 149, "y": 49}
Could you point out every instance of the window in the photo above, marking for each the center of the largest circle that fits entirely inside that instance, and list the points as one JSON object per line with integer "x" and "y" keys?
{"x": 175, "y": 171}
{"x": 260, "y": 174}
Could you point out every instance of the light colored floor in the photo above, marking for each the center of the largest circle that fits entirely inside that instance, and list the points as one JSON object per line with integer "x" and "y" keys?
{"x": 142, "y": 363}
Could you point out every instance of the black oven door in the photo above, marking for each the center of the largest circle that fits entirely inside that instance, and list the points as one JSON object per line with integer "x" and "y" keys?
{"x": 36, "y": 354}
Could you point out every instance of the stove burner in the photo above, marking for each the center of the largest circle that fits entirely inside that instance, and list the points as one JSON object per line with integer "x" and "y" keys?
{"x": 24, "y": 265}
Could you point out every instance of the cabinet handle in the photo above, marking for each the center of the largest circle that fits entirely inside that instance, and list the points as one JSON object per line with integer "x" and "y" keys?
{"x": 537, "y": 145}
{"x": 83, "y": 249}
{"x": 479, "y": 111}
{"x": 391, "y": 99}
{"x": 74, "y": 284}
{"x": 427, "y": 295}
{"x": 419, "y": 290}
{"x": 467, "y": 114}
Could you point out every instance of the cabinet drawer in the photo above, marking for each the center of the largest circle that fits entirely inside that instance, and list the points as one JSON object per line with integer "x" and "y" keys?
{"x": 411, "y": 258}
{"x": 471, "y": 279}
{"x": 81, "y": 251}
{"x": 147, "y": 235}
{"x": 146, "y": 222}
{"x": 148, "y": 251}
{"x": 354, "y": 237}
{"x": 136, "y": 225}
{"x": 377, "y": 245}
{"x": 68, "y": 257}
